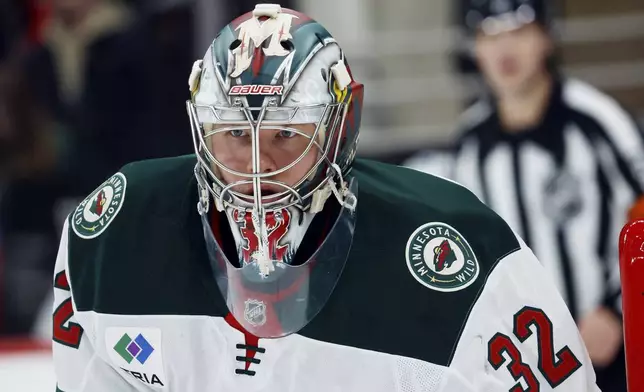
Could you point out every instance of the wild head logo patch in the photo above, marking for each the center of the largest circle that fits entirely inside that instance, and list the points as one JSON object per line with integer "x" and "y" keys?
{"x": 98, "y": 203}
{"x": 97, "y": 211}
{"x": 444, "y": 256}
{"x": 440, "y": 258}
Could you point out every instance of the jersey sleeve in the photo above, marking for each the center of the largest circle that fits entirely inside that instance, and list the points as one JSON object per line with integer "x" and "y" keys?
{"x": 520, "y": 336}
{"x": 76, "y": 365}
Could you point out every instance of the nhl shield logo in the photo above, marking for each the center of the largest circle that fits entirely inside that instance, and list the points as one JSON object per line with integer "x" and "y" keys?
{"x": 563, "y": 198}
{"x": 440, "y": 258}
{"x": 98, "y": 210}
{"x": 255, "y": 312}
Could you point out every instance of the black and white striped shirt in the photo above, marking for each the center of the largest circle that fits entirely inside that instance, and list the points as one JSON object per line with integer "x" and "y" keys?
{"x": 565, "y": 186}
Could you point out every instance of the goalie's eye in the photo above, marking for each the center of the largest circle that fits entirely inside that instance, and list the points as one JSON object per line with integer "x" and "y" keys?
{"x": 287, "y": 134}
{"x": 236, "y": 133}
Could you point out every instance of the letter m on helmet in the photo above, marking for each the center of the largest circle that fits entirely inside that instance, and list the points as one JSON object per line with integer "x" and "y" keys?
{"x": 254, "y": 32}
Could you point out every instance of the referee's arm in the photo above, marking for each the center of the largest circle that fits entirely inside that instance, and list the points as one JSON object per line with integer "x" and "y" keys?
{"x": 620, "y": 148}
{"x": 626, "y": 141}
{"x": 619, "y": 142}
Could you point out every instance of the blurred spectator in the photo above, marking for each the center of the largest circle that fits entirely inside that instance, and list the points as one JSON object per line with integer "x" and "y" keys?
{"x": 70, "y": 117}
{"x": 87, "y": 71}
{"x": 559, "y": 160}
{"x": 38, "y": 12}
{"x": 29, "y": 156}
{"x": 13, "y": 22}
{"x": 169, "y": 32}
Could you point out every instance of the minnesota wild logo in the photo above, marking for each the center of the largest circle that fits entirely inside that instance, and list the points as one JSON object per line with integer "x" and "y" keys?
{"x": 97, "y": 211}
{"x": 440, "y": 258}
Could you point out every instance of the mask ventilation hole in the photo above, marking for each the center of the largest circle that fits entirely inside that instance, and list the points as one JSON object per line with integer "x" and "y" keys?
{"x": 235, "y": 44}
{"x": 287, "y": 45}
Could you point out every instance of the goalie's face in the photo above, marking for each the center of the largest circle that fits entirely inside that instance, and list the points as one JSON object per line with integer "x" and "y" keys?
{"x": 285, "y": 153}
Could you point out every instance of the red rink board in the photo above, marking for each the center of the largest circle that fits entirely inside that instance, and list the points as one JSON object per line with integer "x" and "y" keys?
{"x": 631, "y": 260}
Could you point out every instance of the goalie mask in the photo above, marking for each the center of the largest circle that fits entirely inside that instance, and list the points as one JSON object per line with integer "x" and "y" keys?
{"x": 275, "y": 114}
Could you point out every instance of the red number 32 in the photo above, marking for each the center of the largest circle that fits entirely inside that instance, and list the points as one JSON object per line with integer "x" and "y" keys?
{"x": 555, "y": 368}
{"x": 71, "y": 334}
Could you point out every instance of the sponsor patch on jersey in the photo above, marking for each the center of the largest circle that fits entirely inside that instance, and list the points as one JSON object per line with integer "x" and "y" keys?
{"x": 94, "y": 214}
{"x": 440, "y": 258}
{"x": 137, "y": 352}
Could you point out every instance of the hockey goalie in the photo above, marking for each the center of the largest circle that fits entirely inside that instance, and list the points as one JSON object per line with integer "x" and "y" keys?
{"x": 274, "y": 260}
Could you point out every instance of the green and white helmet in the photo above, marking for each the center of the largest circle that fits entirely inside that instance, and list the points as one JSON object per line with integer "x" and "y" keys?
{"x": 275, "y": 67}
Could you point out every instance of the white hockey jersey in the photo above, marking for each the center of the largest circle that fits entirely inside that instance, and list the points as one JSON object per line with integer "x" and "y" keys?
{"x": 437, "y": 295}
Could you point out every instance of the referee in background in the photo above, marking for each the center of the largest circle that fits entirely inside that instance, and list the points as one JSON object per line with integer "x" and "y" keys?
{"x": 560, "y": 161}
